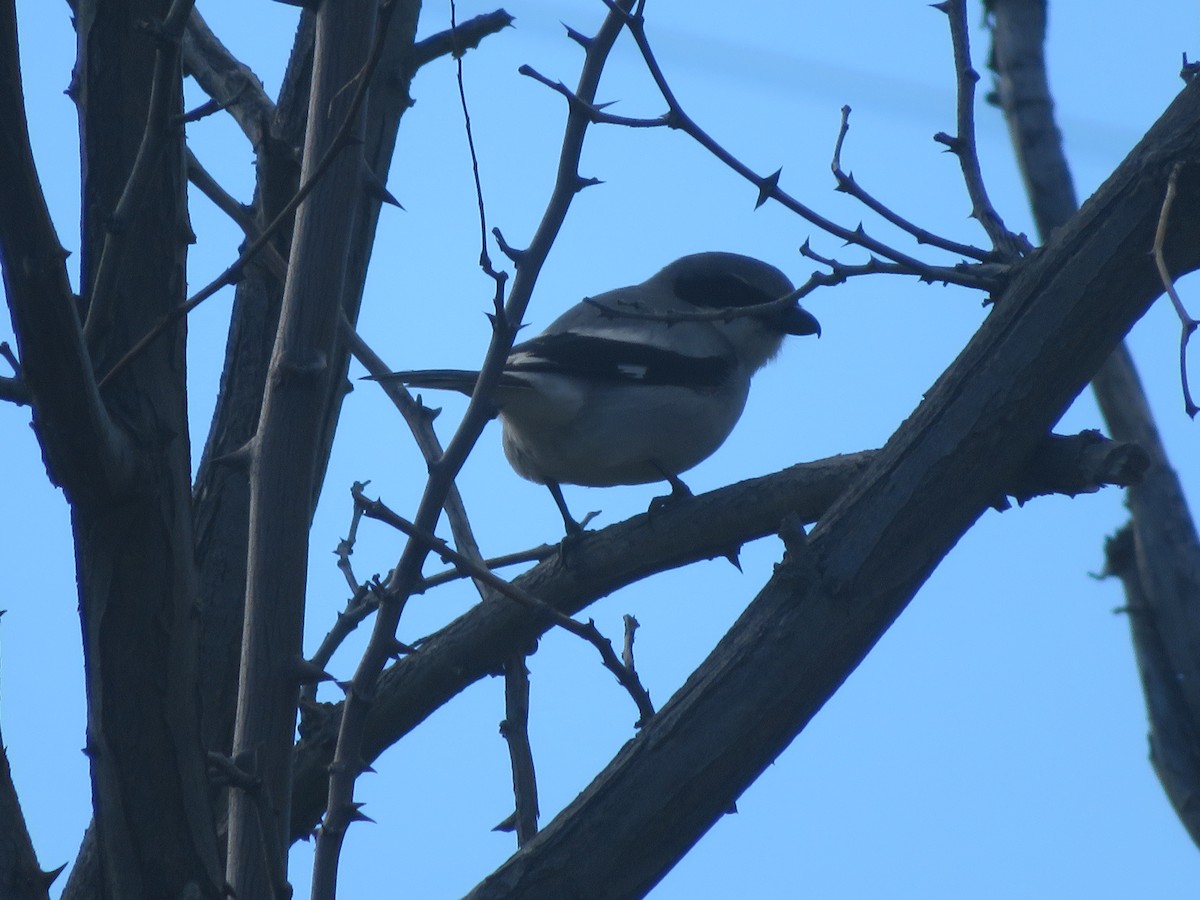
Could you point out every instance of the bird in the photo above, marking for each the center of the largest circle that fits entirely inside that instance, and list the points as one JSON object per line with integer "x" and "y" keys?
{"x": 631, "y": 386}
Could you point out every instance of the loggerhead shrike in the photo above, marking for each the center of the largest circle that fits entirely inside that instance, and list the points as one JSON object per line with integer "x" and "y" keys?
{"x": 608, "y": 394}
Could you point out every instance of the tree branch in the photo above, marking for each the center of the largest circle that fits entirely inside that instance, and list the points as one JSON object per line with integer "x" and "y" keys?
{"x": 286, "y": 448}
{"x": 830, "y": 600}
{"x": 1161, "y": 573}
{"x": 477, "y": 644}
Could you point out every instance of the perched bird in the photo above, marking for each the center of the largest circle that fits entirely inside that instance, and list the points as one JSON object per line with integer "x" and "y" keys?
{"x": 624, "y": 389}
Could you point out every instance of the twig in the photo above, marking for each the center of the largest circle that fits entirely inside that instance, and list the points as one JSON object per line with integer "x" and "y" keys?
{"x": 345, "y": 547}
{"x": 534, "y": 554}
{"x": 360, "y": 605}
{"x": 485, "y": 259}
{"x": 375, "y": 509}
{"x": 631, "y": 627}
{"x": 203, "y": 111}
{"x": 233, "y": 272}
{"x": 1187, "y": 322}
{"x": 515, "y": 730}
{"x": 847, "y": 185}
{"x": 228, "y": 204}
{"x": 14, "y": 389}
{"x": 228, "y": 80}
{"x": 460, "y": 37}
{"x": 1007, "y": 245}
{"x": 347, "y": 761}
{"x": 767, "y": 185}
{"x": 420, "y": 423}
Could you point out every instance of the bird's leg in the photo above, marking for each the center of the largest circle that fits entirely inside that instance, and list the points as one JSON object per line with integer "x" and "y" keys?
{"x": 679, "y": 490}
{"x": 574, "y": 529}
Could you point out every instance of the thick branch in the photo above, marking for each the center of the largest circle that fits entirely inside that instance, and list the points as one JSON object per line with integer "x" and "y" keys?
{"x": 478, "y": 643}
{"x": 830, "y": 601}
{"x": 1162, "y": 574}
{"x": 83, "y": 450}
{"x": 286, "y": 447}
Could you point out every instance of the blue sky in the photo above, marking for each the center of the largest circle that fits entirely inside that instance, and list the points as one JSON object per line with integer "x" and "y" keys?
{"x": 993, "y": 744}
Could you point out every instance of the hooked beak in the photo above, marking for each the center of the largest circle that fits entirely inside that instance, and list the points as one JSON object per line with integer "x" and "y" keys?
{"x": 799, "y": 321}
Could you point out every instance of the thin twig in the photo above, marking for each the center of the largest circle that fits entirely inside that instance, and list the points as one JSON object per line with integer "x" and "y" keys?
{"x": 848, "y": 185}
{"x": 347, "y": 761}
{"x": 420, "y": 422}
{"x": 767, "y": 185}
{"x": 341, "y": 140}
{"x": 375, "y": 509}
{"x": 534, "y": 555}
{"x": 1007, "y": 245}
{"x": 1187, "y": 322}
{"x": 228, "y": 204}
{"x": 345, "y": 547}
{"x": 485, "y": 259}
{"x": 631, "y": 627}
{"x": 515, "y": 730}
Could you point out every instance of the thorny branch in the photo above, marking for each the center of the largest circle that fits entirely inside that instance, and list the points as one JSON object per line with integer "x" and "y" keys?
{"x": 231, "y": 274}
{"x": 1008, "y": 245}
{"x": 347, "y": 763}
{"x": 628, "y": 679}
{"x": 988, "y": 273}
{"x": 847, "y": 184}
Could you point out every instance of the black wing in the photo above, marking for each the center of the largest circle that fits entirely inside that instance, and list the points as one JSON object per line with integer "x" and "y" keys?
{"x": 603, "y": 359}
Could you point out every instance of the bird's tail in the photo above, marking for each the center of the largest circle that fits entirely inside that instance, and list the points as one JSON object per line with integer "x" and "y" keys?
{"x": 461, "y": 380}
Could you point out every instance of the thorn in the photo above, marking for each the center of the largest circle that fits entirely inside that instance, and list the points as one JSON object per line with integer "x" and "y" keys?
{"x": 377, "y": 189}
{"x": 732, "y": 556}
{"x": 308, "y": 672}
{"x": 585, "y": 42}
{"x": 239, "y": 459}
{"x": 357, "y": 815}
{"x": 48, "y": 877}
{"x": 509, "y": 824}
{"x": 581, "y": 183}
{"x": 767, "y": 186}
{"x": 398, "y": 648}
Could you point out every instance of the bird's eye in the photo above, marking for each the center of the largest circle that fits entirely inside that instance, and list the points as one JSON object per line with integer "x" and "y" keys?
{"x": 718, "y": 291}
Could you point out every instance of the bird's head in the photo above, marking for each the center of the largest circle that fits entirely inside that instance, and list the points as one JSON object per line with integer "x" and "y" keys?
{"x": 717, "y": 280}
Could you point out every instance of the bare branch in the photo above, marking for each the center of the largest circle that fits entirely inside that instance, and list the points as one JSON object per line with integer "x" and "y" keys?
{"x": 406, "y": 575}
{"x": 459, "y": 38}
{"x": 627, "y": 678}
{"x": 159, "y": 122}
{"x": 825, "y": 608}
{"x": 847, "y": 184}
{"x": 1008, "y": 245}
{"x": 696, "y": 528}
{"x": 515, "y": 731}
{"x": 1162, "y": 576}
{"x": 84, "y": 449}
{"x": 207, "y": 185}
{"x": 227, "y": 80}
{"x": 767, "y": 185}
{"x": 287, "y": 445}
{"x": 1186, "y": 321}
